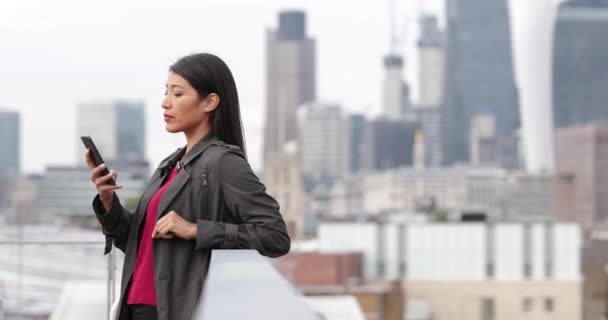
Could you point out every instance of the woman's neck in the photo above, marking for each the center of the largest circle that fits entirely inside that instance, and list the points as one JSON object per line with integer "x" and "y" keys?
{"x": 194, "y": 136}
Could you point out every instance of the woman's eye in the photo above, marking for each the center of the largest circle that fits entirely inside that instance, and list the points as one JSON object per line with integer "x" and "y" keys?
{"x": 178, "y": 94}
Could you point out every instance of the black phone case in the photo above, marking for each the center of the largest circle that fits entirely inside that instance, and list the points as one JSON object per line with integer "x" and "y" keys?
{"x": 97, "y": 159}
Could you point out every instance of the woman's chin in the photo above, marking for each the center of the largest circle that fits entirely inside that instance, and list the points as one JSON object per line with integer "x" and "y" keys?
{"x": 171, "y": 129}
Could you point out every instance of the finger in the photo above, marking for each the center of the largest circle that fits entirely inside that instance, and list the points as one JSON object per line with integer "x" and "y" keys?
{"x": 156, "y": 233}
{"x": 166, "y": 217}
{"x": 159, "y": 235}
{"x": 104, "y": 180}
{"x": 164, "y": 229}
{"x": 171, "y": 216}
{"x": 96, "y": 172}
{"x": 89, "y": 159}
{"x": 169, "y": 224}
{"x": 108, "y": 187}
{"x": 99, "y": 180}
{"x": 159, "y": 224}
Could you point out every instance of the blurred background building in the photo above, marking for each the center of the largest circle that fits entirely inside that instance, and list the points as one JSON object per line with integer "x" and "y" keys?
{"x": 10, "y": 157}
{"x": 480, "y": 73}
{"x": 290, "y": 78}
{"x": 579, "y": 71}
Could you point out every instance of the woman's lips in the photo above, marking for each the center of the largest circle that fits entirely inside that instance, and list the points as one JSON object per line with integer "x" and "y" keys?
{"x": 168, "y": 117}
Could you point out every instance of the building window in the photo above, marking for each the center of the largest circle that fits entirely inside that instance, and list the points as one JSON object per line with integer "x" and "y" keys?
{"x": 527, "y": 305}
{"x": 488, "y": 309}
{"x": 549, "y": 305}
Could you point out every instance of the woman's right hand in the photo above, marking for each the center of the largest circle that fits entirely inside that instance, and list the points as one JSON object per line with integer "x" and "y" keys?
{"x": 105, "y": 190}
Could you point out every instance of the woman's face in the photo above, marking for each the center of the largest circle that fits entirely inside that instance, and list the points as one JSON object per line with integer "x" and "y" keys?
{"x": 184, "y": 111}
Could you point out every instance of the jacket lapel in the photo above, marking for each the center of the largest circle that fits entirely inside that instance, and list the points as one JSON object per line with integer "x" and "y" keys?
{"x": 184, "y": 175}
{"x": 153, "y": 186}
{"x": 171, "y": 192}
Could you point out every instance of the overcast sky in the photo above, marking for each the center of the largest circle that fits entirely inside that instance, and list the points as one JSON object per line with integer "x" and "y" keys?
{"x": 56, "y": 53}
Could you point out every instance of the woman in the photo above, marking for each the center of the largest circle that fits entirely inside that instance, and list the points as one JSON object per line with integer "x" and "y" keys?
{"x": 204, "y": 196}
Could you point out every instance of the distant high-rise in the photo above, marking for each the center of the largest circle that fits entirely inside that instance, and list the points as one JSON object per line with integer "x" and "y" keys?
{"x": 10, "y": 167}
{"x": 389, "y": 143}
{"x": 396, "y": 92}
{"x": 431, "y": 57}
{"x": 131, "y": 129}
{"x": 290, "y": 78}
{"x": 479, "y": 75}
{"x": 483, "y": 140}
{"x": 323, "y": 141}
{"x": 429, "y": 118}
{"x": 117, "y": 128}
{"x": 532, "y": 24}
{"x": 431, "y": 78}
{"x": 580, "y": 71}
{"x": 10, "y": 142}
{"x": 356, "y": 130}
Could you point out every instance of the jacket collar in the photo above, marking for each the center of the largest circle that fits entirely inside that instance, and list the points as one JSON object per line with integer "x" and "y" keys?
{"x": 197, "y": 149}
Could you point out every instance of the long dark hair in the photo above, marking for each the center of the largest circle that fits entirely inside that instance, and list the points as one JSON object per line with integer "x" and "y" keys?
{"x": 208, "y": 73}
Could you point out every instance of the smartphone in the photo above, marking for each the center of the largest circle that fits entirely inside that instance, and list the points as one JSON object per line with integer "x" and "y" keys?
{"x": 88, "y": 143}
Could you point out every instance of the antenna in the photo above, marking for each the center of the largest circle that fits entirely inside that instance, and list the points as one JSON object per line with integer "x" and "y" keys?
{"x": 398, "y": 37}
{"x": 393, "y": 28}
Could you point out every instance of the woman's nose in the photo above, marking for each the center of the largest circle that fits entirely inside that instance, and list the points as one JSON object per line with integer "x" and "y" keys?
{"x": 165, "y": 104}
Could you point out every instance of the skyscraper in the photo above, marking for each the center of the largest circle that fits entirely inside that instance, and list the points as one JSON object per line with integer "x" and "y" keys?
{"x": 10, "y": 142}
{"x": 396, "y": 92}
{"x": 580, "y": 71}
{"x": 533, "y": 23}
{"x": 356, "y": 130}
{"x": 323, "y": 141}
{"x": 430, "y": 119}
{"x": 131, "y": 129}
{"x": 117, "y": 128}
{"x": 290, "y": 78}
{"x": 389, "y": 143}
{"x": 431, "y": 57}
{"x": 479, "y": 75}
{"x": 431, "y": 80}
{"x": 483, "y": 140}
{"x": 10, "y": 167}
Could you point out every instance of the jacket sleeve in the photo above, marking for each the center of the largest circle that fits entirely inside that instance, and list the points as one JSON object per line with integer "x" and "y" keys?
{"x": 115, "y": 223}
{"x": 261, "y": 225}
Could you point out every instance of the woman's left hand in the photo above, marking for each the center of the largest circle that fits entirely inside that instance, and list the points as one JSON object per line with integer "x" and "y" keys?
{"x": 173, "y": 225}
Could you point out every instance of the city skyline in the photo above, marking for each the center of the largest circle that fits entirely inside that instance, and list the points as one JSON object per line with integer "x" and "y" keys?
{"x": 60, "y": 64}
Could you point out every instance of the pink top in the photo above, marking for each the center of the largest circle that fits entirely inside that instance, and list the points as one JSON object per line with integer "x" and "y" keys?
{"x": 143, "y": 290}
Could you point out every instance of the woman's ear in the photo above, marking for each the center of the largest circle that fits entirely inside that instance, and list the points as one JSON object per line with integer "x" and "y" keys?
{"x": 211, "y": 102}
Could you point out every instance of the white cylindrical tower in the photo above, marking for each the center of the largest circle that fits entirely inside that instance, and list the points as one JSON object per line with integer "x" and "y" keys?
{"x": 532, "y": 25}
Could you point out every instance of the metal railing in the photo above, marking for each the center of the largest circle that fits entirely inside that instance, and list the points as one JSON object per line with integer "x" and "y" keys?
{"x": 111, "y": 269}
